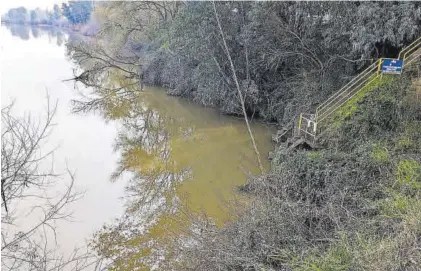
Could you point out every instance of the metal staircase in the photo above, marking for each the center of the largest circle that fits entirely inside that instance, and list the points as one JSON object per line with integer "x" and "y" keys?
{"x": 307, "y": 129}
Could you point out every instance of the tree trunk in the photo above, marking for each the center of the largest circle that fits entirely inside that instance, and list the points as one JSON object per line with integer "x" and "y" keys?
{"x": 234, "y": 74}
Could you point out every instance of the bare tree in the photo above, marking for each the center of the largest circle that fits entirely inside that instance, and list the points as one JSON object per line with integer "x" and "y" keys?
{"x": 240, "y": 94}
{"x": 31, "y": 207}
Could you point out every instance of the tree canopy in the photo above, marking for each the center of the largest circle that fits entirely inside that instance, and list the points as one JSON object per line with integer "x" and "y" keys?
{"x": 77, "y": 12}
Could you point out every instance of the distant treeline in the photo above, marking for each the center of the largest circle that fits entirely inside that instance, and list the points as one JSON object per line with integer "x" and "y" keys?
{"x": 75, "y": 12}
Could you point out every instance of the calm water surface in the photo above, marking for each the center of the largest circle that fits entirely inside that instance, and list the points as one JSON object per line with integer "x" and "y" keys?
{"x": 33, "y": 62}
{"x": 174, "y": 152}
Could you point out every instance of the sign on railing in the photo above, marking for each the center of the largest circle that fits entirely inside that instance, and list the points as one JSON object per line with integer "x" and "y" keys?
{"x": 393, "y": 66}
{"x": 308, "y": 123}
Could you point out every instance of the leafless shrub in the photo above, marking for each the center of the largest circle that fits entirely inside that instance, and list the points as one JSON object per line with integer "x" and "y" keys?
{"x": 31, "y": 208}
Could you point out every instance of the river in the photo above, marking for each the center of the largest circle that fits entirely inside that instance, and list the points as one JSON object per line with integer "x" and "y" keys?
{"x": 147, "y": 149}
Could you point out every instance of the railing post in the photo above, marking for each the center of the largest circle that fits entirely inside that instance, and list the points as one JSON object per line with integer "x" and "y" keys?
{"x": 380, "y": 65}
{"x": 300, "y": 120}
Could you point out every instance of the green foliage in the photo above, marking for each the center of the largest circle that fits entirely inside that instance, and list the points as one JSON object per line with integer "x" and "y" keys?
{"x": 405, "y": 142}
{"x": 381, "y": 114}
{"x": 396, "y": 200}
{"x": 380, "y": 153}
{"x": 409, "y": 173}
{"x": 398, "y": 205}
{"x": 337, "y": 258}
{"x": 164, "y": 46}
{"x": 404, "y": 198}
{"x": 314, "y": 155}
{"x": 410, "y": 136}
{"x": 352, "y": 105}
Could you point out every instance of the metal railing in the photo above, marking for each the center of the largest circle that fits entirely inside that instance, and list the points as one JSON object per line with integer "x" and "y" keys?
{"x": 408, "y": 50}
{"x": 307, "y": 127}
{"x": 308, "y": 124}
{"x": 347, "y": 92}
{"x": 412, "y": 57}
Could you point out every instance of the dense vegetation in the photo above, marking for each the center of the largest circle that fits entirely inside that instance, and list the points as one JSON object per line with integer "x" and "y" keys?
{"x": 77, "y": 12}
{"x": 288, "y": 56}
{"x": 354, "y": 204}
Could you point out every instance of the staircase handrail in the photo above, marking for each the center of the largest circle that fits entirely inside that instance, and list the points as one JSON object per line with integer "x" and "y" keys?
{"x": 322, "y": 110}
{"x": 349, "y": 96}
{"x": 325, "y": 103}
{"x": 358, "y": 83}
{"x": 409, "y": 49}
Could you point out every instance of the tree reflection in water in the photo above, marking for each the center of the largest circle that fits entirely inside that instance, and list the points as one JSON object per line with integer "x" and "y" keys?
{"x": 55, "y": 34}
{"x": 183, "y": 162}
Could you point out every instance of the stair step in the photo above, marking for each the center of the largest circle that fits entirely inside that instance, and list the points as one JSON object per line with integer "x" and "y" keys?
{"x": 281, "y": 135}
{"x": 296, "y": 143}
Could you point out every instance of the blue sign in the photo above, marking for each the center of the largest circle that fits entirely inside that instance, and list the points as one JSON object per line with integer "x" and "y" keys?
{"x": 391, "y": 66}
